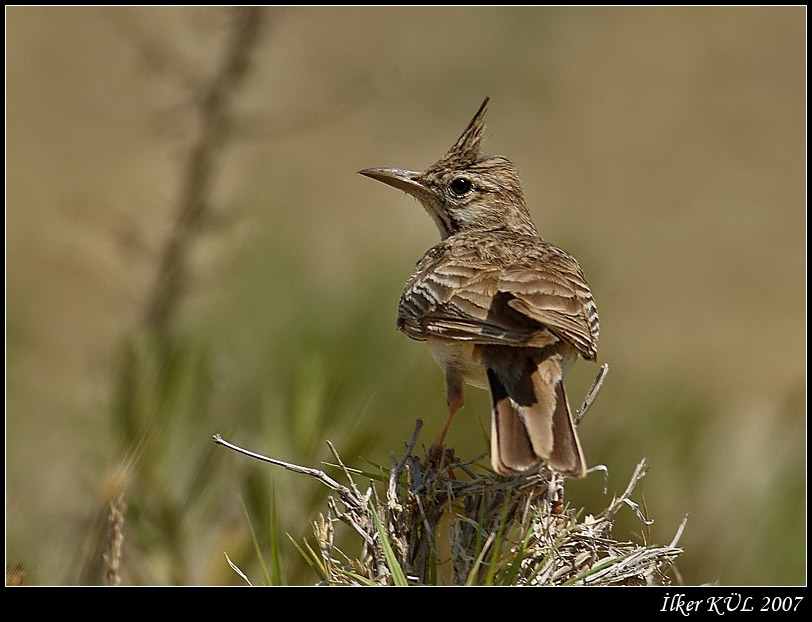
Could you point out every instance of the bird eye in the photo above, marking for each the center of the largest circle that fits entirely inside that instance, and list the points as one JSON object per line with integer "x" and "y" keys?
{"x": 461, "y": 186}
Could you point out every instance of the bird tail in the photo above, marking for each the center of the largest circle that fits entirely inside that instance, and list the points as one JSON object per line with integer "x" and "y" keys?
{"x": 531, "y": 419}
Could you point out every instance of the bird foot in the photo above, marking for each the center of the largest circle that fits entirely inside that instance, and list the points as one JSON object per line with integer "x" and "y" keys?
{"x": 439, "y": 458}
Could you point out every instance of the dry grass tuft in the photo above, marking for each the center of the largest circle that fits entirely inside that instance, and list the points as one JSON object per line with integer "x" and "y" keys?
{"x": 449, "y": 522}
{"x": 456, "y": 523}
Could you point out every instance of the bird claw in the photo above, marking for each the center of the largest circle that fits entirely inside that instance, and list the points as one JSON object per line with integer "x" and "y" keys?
{"x": 440, "y": 458}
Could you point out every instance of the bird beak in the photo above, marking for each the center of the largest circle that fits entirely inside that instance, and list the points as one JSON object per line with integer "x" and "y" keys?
{"x": 408, "y": 181}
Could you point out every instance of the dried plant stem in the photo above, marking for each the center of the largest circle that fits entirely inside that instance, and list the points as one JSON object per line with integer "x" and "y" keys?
{"x": 115, "y": 540}
{"x": 213, "y": 108}
{"x": 316, "y": 473}
{"x": 592, "y": 393}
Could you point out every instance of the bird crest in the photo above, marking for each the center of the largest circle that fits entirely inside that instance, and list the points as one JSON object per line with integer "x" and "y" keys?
{"x": 467, "y": 150}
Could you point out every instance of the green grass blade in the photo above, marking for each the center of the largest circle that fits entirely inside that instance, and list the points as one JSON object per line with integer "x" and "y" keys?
{"x": 257, "y": 548}
{"x": 311, "y": 558}
{"x": 497, "y": 545}
{"x": 276, "y": 551}
{"x": 398, "y": 576}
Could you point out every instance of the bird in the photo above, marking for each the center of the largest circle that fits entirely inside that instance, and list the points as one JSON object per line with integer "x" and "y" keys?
{"x": 500, "y": 308}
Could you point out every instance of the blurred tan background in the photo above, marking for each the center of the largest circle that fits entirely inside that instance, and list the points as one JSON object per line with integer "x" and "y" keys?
{"x": 663, "y": 147}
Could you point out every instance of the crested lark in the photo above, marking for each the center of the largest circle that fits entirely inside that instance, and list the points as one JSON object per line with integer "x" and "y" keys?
{"x": 499, "y": 307}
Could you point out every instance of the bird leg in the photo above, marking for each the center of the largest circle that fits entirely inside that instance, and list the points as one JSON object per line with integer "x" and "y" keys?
{"x": 455, "y": 401}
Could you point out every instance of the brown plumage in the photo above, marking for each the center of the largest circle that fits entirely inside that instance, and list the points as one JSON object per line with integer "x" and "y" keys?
{"x": 500, "y": 308}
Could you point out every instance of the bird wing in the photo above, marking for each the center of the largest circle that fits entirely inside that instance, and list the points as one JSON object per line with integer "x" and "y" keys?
{"x": 533, "y": 295}
{"x": 552, "y": 291}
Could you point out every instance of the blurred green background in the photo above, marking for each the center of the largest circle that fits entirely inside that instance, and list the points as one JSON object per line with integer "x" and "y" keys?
{"x": 663, "y": 147}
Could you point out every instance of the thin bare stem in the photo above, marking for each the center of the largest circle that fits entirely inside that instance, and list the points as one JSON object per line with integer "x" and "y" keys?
{"x": 639, "y": 473}
{"x": 680, "y": 529}
{"x": 215, "y": 122}
{"x": 592, "y": 393}
{"x": 316, "y": 473}
{"x": 346, "y": 471}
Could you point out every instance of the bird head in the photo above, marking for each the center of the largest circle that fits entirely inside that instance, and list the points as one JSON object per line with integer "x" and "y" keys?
{"x": 466, "y": 190}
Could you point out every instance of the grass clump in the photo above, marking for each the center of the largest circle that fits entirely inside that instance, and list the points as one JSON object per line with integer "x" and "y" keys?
{"x": 458, "y": 523}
